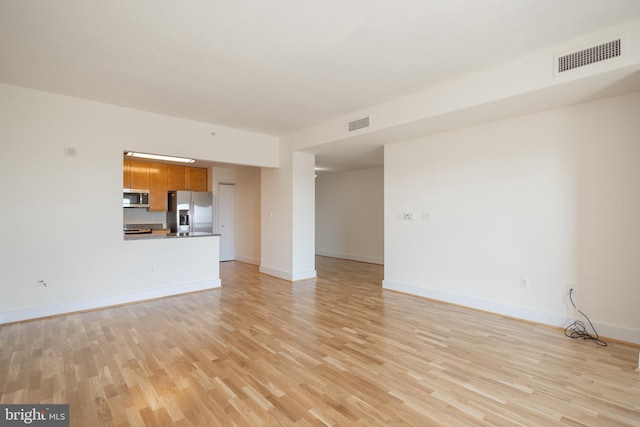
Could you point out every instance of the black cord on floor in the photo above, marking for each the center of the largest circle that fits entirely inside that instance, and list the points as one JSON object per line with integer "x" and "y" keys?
{"x": 579, "y": 330}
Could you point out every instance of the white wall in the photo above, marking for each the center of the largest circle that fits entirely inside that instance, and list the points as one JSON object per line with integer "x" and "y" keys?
{"x": 63, "y": 215}
{"x": 246, "y": 181}
{"x": 552, "y": 198}
{"x": 248, "y": 211}
{"x": 277, "y": 218}
{"x": 349, "y": 215}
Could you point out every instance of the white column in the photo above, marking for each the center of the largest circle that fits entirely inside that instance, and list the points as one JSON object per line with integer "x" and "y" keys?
{"x": 288, "y": 216}
{"x": 304, "y": 216}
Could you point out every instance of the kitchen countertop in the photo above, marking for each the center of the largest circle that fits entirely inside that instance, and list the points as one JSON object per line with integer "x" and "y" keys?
{"x": 150, "y": 236}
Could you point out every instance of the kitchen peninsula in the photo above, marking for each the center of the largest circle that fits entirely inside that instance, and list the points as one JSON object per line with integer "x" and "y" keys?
{"x": 162, "y": 236}
{"x": 165, "y": 201}
{"x": 170, "y": 203}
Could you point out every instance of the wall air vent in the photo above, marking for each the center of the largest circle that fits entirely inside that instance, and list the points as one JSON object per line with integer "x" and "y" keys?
{"x": 359, "y": 124}
{"x": 590, "y": 55}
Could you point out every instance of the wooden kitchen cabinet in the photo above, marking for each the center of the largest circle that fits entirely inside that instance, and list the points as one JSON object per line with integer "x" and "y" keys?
{"x": 197, "y": 179}
{"x": 126, "y": 178}
{"x": 136, "y": 174}
{"x": 158, "y": 187}
{"x": 159, "y": 178}
{"x": 181, "y": 178}
{"x": 176, "y": 178}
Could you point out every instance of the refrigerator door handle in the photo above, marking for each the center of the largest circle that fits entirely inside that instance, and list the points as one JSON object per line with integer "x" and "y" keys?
{"x": 191, "y": 212}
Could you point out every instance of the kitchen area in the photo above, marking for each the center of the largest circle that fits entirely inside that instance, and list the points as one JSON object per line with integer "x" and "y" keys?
{"x": 165, "y": 197}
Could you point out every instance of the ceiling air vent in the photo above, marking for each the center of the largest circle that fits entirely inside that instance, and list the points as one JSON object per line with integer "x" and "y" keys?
{"x": 359, "y": 124}
{"x": 590, "y": 55}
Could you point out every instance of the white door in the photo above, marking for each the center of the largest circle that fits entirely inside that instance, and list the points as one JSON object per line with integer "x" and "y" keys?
{"x": 227, "y": 221}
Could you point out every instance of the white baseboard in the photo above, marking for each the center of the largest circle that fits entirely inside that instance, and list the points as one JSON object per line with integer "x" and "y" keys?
{"x": 275, "y": 273}
{"x": 524, "y": 313}
{"x": 287, "y": 275}
{"x": 353, "y": 257}
{"x": 304, "y": 275}
{"x": 617, "y": 332}
{"x": 248, "y": 260}
{"x": 102, "y": 302}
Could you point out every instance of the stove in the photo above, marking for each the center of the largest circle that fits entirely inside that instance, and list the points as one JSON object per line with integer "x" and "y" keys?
{"x": 137, "y": 231}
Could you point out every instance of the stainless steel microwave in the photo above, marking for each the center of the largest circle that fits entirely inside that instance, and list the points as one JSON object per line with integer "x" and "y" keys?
{"x": 135, "y": 198}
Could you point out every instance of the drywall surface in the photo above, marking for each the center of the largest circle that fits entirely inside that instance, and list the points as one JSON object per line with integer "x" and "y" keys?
{"x": 276, "y": 256}
{"x": 510, "y": 214}
{"x": 63, "y": 214}
{"x": 350, "y": 215}
{"x": 248, "y": 213}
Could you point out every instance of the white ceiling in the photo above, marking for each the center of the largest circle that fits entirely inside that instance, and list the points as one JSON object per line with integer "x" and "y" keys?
{"x": 279, "y": 65}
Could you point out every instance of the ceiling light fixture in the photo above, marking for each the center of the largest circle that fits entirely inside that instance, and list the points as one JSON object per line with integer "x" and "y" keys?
{"x": 159, "y": 157}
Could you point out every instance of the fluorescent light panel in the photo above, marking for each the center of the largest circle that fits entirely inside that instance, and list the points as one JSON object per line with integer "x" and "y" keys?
{"x": 160, "y": 157}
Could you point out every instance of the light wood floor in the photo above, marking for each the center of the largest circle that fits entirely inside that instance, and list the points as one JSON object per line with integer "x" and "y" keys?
{"x": 333, "y": 351}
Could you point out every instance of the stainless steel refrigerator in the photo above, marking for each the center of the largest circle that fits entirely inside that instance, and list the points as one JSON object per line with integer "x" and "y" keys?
{"x": 190, "y": 212}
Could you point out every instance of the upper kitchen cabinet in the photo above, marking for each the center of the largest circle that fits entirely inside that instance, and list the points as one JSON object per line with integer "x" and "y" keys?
{"x": 181, "y": 178}
{"x": 197, "y": 179}
{"x": 158, "y": 188}
{"x": 136, "y": 174}
{"x": 126, "y": 169}
{"x": 176, "y": 178}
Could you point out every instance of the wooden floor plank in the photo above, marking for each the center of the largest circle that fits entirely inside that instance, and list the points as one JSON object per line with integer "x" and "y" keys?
{"x": 336, "y": 350}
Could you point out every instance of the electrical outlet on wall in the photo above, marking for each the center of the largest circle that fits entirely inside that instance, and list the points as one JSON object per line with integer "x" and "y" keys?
{"x": 569, "y": 297}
